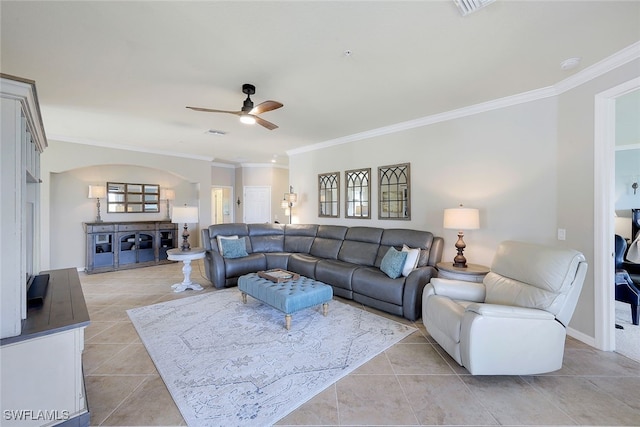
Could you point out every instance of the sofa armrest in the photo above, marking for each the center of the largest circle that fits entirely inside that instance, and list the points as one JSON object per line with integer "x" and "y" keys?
{"x": 413, "y": 288}
{"x": 458, "y": 289}
{"x": 215, "y": 269}
{"x": 507, "y": 311}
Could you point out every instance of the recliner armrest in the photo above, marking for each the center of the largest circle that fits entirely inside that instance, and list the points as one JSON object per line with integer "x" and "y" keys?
{"x": 458, "y": 289}
{"x": 507, "y": 311}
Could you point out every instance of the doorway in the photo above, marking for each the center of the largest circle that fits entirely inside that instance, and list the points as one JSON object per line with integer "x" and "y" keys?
{"x": 221, "y": 203}
{"x": 257, "y": 204}
{"x": 604, "y": 210}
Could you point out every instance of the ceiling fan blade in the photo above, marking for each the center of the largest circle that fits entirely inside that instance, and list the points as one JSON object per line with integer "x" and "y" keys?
{"x": 263, "y": 122}
{"x": 210, "y": 110}
{"x": 266, "y": 106}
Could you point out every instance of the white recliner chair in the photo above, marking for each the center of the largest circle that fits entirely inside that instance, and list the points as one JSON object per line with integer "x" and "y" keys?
{"x": 514, "y": 322}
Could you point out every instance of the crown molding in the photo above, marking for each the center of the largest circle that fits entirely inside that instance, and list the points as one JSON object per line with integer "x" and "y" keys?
{"x": 610, "y": 63}
{"x": 224, "y": 165}
{"x": 263, "y": 165}
{"x": 72, "y": 140}
{"x": 618, "y": 59}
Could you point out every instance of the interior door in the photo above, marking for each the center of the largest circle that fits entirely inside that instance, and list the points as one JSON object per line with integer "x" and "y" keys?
{"x": 257, "y": 204}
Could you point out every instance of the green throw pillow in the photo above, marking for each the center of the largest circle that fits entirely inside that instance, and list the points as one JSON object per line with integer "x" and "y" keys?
{"x": 234, "y": 248}
{"x": 393, "y": 262}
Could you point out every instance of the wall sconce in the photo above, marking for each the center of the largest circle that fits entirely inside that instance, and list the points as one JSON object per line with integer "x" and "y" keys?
{"x": 461, "y": 219}
{"x": 289, "y": 200}
{"x": 635, "y": 187}
{"x": 238, "y": 201}
{"x": 185, "y": 215}
{"x": 96, "y": 192}
{"x": 167, "y": 194}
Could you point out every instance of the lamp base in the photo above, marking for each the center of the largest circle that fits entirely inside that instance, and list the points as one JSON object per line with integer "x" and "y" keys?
{"x": 460, "y": 261}
{"x": 185, "y": 240}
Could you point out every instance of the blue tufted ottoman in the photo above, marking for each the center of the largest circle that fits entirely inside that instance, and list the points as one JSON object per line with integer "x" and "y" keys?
{"x": 288, "y": 297}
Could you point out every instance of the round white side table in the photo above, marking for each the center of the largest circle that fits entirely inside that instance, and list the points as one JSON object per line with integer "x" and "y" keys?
{"x": 186, "y": 257}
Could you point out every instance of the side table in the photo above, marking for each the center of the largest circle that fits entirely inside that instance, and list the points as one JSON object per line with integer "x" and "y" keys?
{"x": 472, "y": 273}
{"x": 186, "y": 257}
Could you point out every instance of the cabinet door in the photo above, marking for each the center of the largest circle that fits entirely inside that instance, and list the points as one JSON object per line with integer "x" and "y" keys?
{"x": 127, "y": 249}
{"x": 145, "y": 247}
{"x": 167, "y": 241}
{"x": 102, "y": 250}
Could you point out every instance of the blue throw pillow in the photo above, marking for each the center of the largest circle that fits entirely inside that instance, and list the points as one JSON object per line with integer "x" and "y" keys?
{"x": 234, "y": 248}
{"x": 393, "y": 262}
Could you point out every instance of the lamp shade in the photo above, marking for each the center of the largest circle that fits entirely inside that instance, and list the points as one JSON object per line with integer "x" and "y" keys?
{"x": 184, "y": 215}
{"x": 167, "y": 194}
{"x": 462, "y": 218}
{"x": 97, "y": 192}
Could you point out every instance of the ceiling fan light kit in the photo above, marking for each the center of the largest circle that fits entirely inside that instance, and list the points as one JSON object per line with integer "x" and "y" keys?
{"x": 248, "y": 113}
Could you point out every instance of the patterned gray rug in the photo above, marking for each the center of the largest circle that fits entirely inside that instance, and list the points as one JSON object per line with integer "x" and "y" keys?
{"x": 228, "y": 363}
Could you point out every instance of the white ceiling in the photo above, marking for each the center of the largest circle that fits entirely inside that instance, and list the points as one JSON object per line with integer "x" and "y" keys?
{"x": 121, "y": 73}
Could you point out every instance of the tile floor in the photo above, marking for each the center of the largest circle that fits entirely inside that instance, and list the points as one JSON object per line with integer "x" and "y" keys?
{"x": 413, "y": 383}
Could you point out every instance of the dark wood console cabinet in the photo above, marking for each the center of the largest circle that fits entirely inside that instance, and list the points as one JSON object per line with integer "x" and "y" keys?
{"x": 118, "y": 245}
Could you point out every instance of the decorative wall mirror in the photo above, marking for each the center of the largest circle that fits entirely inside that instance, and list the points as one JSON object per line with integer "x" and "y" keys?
{"x": 394, "y": 192}
{"x": 358, "y": 193}
{"x": 329, "y": 195}
{"x": 132, "y": 198}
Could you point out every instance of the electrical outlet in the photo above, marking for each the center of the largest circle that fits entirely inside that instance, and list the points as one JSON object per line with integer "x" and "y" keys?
{"x": 562, "y": 234}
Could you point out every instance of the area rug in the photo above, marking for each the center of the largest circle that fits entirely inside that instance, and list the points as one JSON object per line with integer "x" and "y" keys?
{"x": 232, "y": 364}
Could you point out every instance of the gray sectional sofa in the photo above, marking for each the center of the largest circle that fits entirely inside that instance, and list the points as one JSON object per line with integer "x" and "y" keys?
{"x": 347, "y": 258}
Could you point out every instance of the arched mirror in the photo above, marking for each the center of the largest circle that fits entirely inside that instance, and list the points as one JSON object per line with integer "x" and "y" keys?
{"x": 394, "y": 192}
{"x": 329, "y": 195}
{"x": 358, "y": 193}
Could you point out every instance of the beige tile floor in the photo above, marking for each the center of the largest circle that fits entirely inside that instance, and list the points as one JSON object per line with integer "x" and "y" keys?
{"x": 412, "y": 383}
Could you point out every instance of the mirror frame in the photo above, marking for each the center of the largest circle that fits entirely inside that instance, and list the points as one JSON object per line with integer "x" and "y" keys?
{"x": 327, "y": 183}
{"x": 352, "y": 177}
{"x": 130, "y": 197}
{"x": 394, "y": 195}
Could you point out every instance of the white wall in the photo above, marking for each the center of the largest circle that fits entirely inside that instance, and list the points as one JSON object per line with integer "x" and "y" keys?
{"x": 72, "y": 207}
{"x": 502, "y": 162}
{"x": 68, "y": 169}
{"x": 528, "y": 168}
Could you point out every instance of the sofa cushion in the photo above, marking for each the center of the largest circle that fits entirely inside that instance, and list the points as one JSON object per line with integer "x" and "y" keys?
{"x": 412, "y": 260}
{"x": 397, "y": 237}
{"x": 376, "y": 284}
{"x": 250, "y": 264}
{"x": 266, "y": 237}
{"x": 360, "y": 245}
{"x": 303, "y": 264}
{"x": 234, "y": 248}
{"x": 337, "y": 273}
{"x": 393, "y": 263}
{"x": 221, "y": 239}
{"x": 299, "y": 237}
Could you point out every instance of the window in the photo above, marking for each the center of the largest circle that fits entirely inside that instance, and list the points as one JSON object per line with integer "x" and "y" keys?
{"x": 329, "y": 195}
{"x": 358, "y": 193}
{"x": 132, "y": 198}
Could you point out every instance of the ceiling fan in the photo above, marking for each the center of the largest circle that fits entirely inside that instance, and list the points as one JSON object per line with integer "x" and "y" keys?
{"x": 249, "y": 114}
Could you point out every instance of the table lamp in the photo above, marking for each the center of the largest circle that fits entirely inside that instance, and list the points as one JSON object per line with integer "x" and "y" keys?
{"x": 96, "y": 192}
{"x": 460, "y": 219}
{"x": 167, "y": 194}
{"x": 185, "y": 215}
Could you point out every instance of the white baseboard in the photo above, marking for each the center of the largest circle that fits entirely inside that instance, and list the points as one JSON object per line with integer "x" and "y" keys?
{"x": 581, "y": 337}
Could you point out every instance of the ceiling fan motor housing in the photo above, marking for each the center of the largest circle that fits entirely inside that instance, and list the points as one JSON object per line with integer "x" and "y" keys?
{"x": 249, "y": 89}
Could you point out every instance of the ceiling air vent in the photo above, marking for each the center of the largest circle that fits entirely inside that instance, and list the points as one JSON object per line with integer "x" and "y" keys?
{"x": 469, "y": 6}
